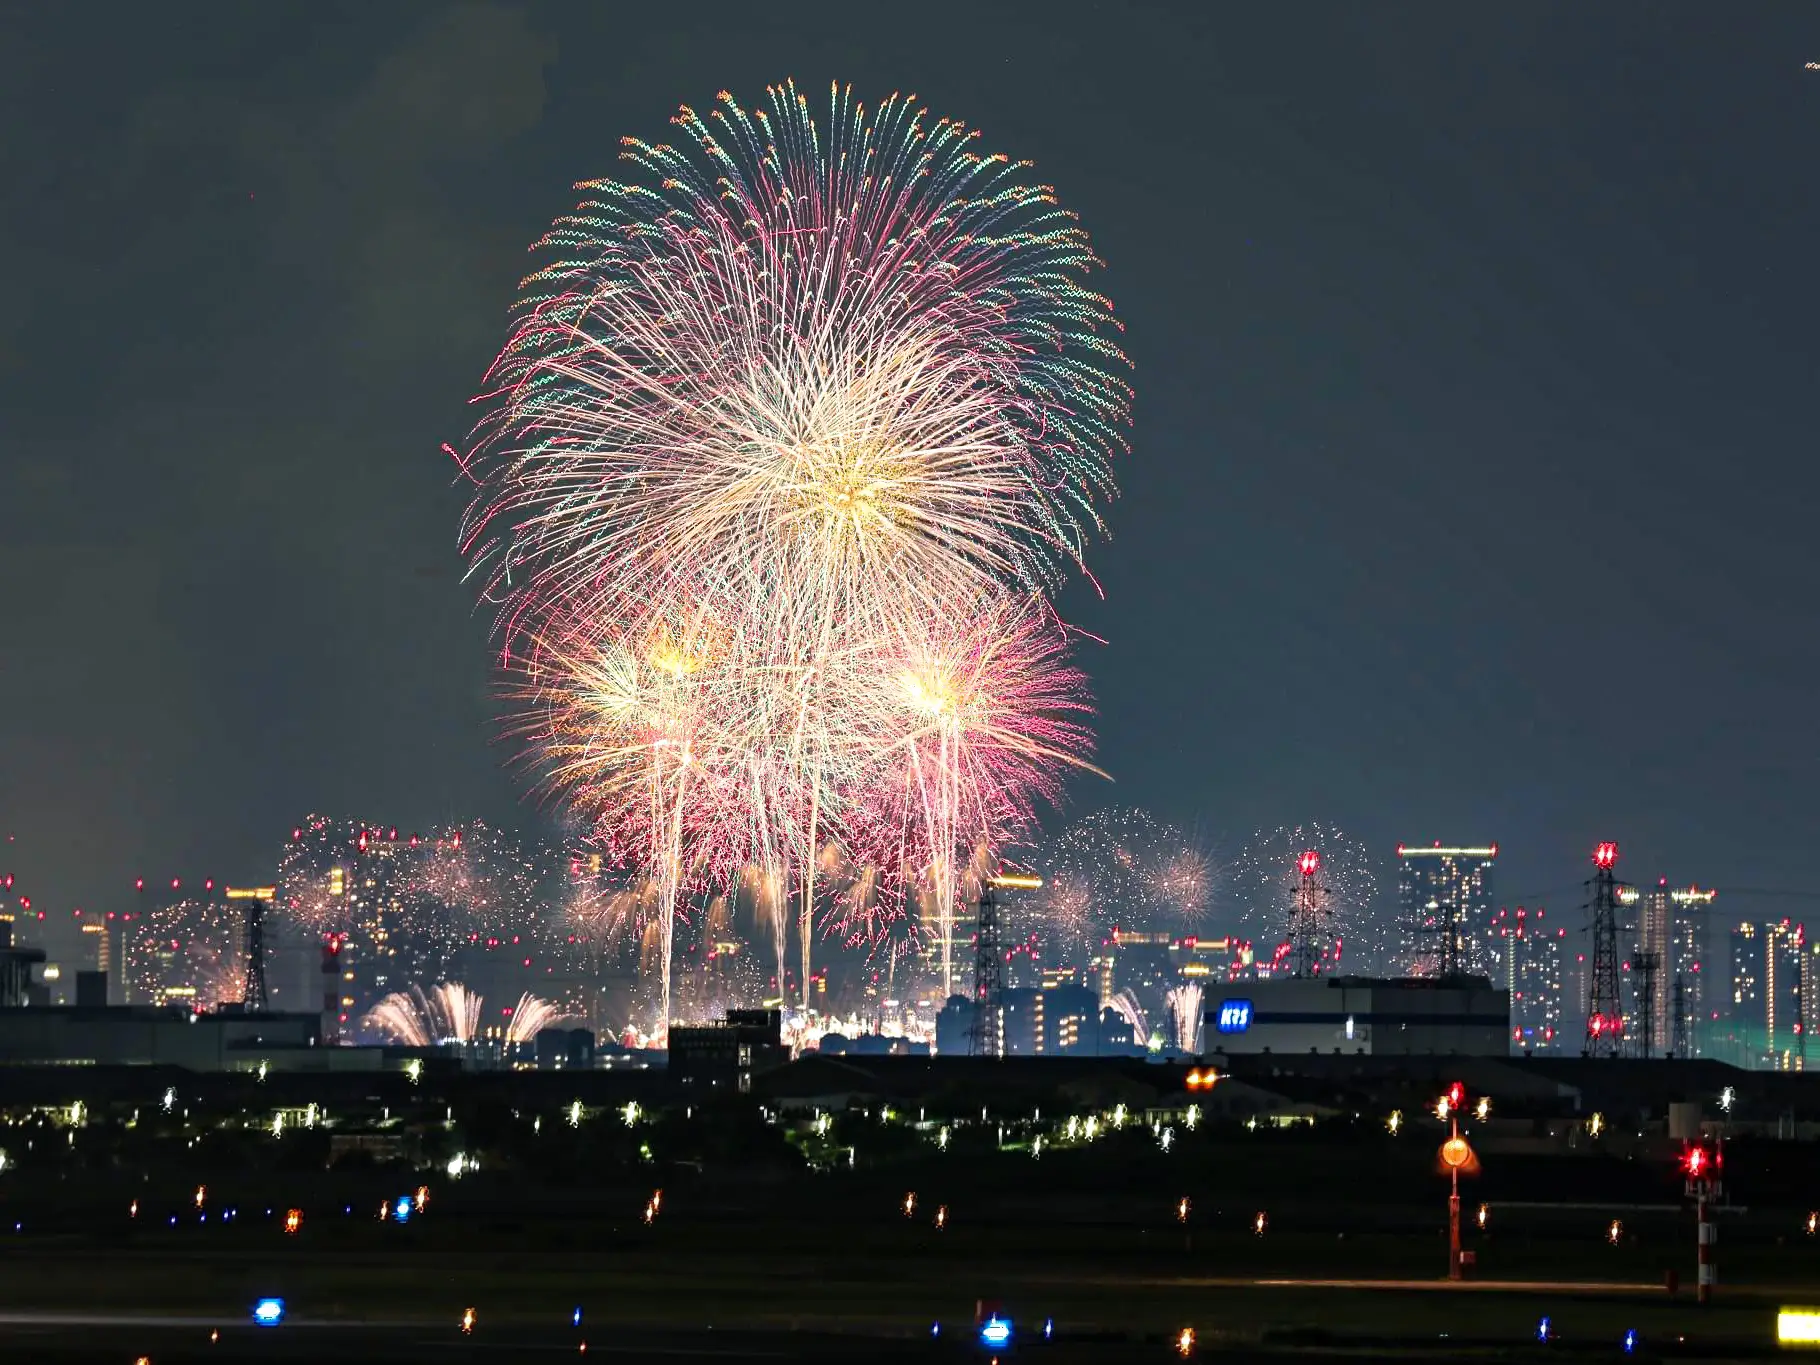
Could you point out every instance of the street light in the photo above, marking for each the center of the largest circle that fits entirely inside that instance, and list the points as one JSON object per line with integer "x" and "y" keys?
{"x": 1456, "y": 1154}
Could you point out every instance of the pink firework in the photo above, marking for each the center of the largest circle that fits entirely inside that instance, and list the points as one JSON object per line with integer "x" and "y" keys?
{"x": 773, "y": 407}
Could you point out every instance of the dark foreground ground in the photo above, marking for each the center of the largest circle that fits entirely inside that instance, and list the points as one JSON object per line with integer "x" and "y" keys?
{"x": 63, "y": 1341}
{"x": 731, "y": 1308}
{"x": 118, "y": 1269}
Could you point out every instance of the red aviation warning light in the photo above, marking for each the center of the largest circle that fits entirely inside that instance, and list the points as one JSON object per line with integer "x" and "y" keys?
{"x": 1309, "y": 862}
{"x": 1605, "y": 855}
{"x": 1697, "y": 1162}
{"x": 1456, "y": 1096}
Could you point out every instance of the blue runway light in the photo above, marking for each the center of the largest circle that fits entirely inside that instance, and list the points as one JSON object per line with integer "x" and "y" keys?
{"x": 1630, "y": 1341}
{"x": 268, "y": 1312}
{"x": 576, "y": 1319}
{"x": 402, "y": 1209}
{"x": 995, "y": 1332}
{"x": 1048, "y": 1328}
{"x": 1542, "y": 1330}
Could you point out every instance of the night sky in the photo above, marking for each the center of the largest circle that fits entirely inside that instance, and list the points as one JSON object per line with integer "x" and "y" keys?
{"x": 1472, "y": 484}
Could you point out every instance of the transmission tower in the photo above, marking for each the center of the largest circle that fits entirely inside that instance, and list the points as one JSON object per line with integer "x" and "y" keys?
{"x": 254, "y": 995}
{"x": 1307, "y": 917}
{"x": 1678, "y": 1043}
{"x": 1604, "y": 1006}
{"x": 1648, "y": 964}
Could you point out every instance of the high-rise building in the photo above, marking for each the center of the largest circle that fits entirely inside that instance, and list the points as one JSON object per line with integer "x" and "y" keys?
{"x": 1671, "y": 934}
{"x": 1786, "y": 994}
{"x": 1745, "y": 1044}
{"x": 1057, "y": 1021}
{"x": 1197, "y": 958}
{"x": 1689, "y": 954}
{"x": 1774, "y": 994}
{"x": 1531, "y": 950}
{"x": 1445, "y": 892}
{"x": 100, "y": 950}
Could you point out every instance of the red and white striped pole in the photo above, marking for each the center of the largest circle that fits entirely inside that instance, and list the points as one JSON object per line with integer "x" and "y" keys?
{"x": 1709, "y": 1238}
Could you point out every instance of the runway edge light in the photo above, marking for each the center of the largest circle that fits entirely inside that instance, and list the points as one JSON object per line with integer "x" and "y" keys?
{"x": 1798, "y": 1327}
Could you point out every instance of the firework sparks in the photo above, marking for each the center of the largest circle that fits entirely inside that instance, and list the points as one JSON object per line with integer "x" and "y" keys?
{"x": 791, "y": 425}
{"x": 451, "y": 1013}
{"x": 1266, "y": 880}
{"x": 1125, "y": 1004}
{"x": 1185, "y": 1006}
{"x": 1122, "y": 868}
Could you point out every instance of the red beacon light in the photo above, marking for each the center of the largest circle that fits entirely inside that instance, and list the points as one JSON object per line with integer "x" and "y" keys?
{"x": 1605, "y": 855}
{"x": 1456, "y": 1096}
{"x": 1309, "y": 862}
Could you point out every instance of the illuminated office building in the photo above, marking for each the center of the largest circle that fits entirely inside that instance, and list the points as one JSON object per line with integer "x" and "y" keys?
{"x": 1443, "y": 891}
{"x": 1787, "y": 993}
{"x": 1531, "y": 957}
{"x": 1671, "y": 930}
{"x": 1745, "y": 1044}
{"x": 1774, "y": 993}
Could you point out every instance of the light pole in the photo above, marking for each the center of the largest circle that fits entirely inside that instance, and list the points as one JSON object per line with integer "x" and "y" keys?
{"x": 1455, "y": 1155}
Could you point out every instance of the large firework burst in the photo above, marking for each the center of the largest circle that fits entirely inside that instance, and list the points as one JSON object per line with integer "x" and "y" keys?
{"x": 859, "y": 347}
{"x": 778, "y": 410}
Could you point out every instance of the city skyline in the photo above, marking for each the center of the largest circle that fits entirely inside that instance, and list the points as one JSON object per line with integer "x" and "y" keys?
{"x": 495, "y": 883}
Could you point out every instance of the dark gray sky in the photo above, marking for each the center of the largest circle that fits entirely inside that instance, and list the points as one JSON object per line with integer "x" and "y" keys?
{"x": 1473, "y": 477}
